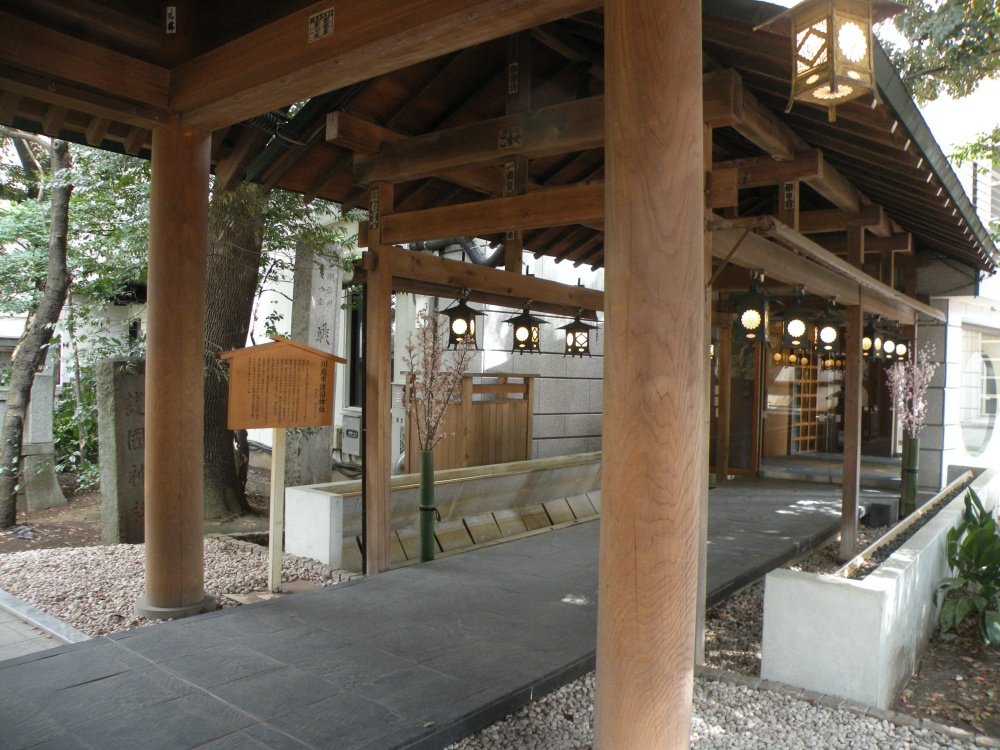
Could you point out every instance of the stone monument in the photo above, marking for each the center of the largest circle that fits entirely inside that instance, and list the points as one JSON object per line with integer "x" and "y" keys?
{"x": 38, "y": 451}
{"x": 121, "y": 413}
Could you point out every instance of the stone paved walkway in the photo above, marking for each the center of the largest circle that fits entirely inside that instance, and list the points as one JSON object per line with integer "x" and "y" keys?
{"x": 414, "y": 658}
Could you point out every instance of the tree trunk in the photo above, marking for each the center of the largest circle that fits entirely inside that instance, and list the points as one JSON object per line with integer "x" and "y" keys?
{"x": 235, "y": 245}
{"x": 33, "y": 345}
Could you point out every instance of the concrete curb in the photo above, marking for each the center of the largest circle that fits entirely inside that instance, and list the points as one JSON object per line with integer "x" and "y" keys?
{"x": 843, "y": 704}
{"x": 45, "y": 622}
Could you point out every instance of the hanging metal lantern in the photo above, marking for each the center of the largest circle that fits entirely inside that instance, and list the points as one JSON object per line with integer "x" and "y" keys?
{"x": 828, "y": 336}
{"x": 831, "y": 49}
{"x": 577, "y": 337}
{"x": 461, "y": 323}
{"x": 526, "y": 332}
{"x": 751, "y": 313}
{"x": 902, "y": 349}
{"x": 797, "y": 327}
{"x": 871, "y": 343}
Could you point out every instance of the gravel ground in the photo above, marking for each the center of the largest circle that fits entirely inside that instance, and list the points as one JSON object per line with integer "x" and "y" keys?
{"x": 93, "y": 588}
{"x": 725, "y": 716}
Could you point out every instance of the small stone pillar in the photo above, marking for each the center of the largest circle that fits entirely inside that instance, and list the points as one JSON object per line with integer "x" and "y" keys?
{"x": 38, "y": 450}
{"x": 316, "y": 297}
{"x": 121, "y": 411}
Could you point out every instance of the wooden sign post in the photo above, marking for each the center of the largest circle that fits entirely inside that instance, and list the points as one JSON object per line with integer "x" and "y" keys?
{"x": 279, "y": 385}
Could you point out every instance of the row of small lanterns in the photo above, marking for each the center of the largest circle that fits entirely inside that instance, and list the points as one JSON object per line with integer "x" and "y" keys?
{"x": 805, "y": 331}
{"x": 526, "y": 329}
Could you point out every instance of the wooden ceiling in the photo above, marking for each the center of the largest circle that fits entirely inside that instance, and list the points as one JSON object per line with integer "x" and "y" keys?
{"x": 105, "y": 73}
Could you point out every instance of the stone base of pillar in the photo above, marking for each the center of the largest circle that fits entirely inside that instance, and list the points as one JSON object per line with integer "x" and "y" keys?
{"x": 143, "y": 608}
{"x": 41, "y": 488}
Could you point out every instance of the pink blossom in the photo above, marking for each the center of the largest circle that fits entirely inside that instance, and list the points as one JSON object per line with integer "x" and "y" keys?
{"x": 433, "y": 379}
{"x": 908, "y": 382}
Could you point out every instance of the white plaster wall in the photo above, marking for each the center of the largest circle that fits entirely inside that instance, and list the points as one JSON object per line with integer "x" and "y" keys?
{"x": 567, "y": 414}
{"x": 942, "y": 447}
{"x": 862, "y": 639}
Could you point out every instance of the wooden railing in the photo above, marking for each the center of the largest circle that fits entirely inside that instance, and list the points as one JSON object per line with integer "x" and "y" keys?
{"x": 491, "y": 424}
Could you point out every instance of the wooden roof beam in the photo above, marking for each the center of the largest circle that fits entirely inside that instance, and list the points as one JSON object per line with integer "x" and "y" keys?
{"x": 727, "y": 103}
{"x": 231, "y": 170}
{"x": 505, "y": 288}
{"x": 894, "y": 243}
{"x": 800, "y": 261}
{"x": 60, "y": 69}
{"x": 561, "y": 128}
{"x": 364, "y": 137}
{"x": 281, "y": 63}
{"x": 572, "y": 48}
{"x": 577, "y": 204}
{"x": 872, "y": 218}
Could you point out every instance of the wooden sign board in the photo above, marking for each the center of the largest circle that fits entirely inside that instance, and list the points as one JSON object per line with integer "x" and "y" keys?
{"x": 280, "y": 384}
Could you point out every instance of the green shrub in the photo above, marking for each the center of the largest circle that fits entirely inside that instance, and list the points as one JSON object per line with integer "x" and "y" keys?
{"x": 974, "y": 558}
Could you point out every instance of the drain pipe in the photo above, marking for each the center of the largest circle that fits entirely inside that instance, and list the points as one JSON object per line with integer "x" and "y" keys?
{"x": 477, "y": 253}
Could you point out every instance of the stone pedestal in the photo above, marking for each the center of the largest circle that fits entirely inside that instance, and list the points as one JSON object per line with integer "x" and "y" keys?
{"x": 121, "y": 409}
{"x": 316, "y": 300}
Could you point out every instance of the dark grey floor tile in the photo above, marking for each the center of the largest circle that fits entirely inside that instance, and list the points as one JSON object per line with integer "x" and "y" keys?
{"x": 23, "y": 724}
{"x": 342, "y": 722}
{"x": 64, "y": 668}
{"x": 270, "y": 694}
{"x": 126, "y": 691}
{"x": 420, "y": 693}
{"x": 272, "y": 738}
{"x": 293, "y": 644}
{"x": 432, "y": 636}
{"x": 65, "y": 742}
{"x": 185, "y": 722}
{"x": 166, "y": 641}
{"x": 349, "y": 666}
{"x": 220, "y": 664}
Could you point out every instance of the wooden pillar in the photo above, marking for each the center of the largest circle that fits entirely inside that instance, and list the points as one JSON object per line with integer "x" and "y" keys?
{"x": 851, "y": 484}
{"x": 788, "y": 204}
{"x": 725, "y": 359}
{"x": 699, "y": 632}
{"x": 376, "y": 460}
{"x": 174, "y": 452}
{"x": 516, "y": 169}
{"x": 654, "y": 361}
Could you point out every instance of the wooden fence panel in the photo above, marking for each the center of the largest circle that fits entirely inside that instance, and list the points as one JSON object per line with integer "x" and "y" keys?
{"x": 491, "y": 424}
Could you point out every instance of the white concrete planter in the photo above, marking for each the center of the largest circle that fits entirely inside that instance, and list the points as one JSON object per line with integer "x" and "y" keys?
{"x": 319, "y": 517}
{"x": 861, "y": 639}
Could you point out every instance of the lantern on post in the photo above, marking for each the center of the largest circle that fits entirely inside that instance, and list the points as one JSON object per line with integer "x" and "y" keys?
{"x": 461, "y": 322}
{"x": 577, "y": 336}
{"x": 751, "y": 313}
{"x": 527, "y": 330}
{"x": 831, "y": 49}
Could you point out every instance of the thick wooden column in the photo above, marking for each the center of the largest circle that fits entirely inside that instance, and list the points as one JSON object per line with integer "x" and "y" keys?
{"x": 852, "y": 434}
{"x": 699, "y": 633}
{"x": 515, "y": 180}
{"x": 377, "y": 460}
{"x": 853, "y": 364}
{"x": 655, "y": 366}
{"x": 724, "y": 357}
{"x": 178, "y": 230}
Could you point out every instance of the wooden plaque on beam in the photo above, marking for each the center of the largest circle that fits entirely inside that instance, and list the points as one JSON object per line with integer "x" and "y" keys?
{"x": 280, "y": 384}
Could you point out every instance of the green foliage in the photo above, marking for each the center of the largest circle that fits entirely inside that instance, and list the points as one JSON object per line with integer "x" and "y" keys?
{"x": 108, "y": 219}
{"x": 953, "y": 45}
{"x": 74, "y": 425}
{"x": 974, "y": 556}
